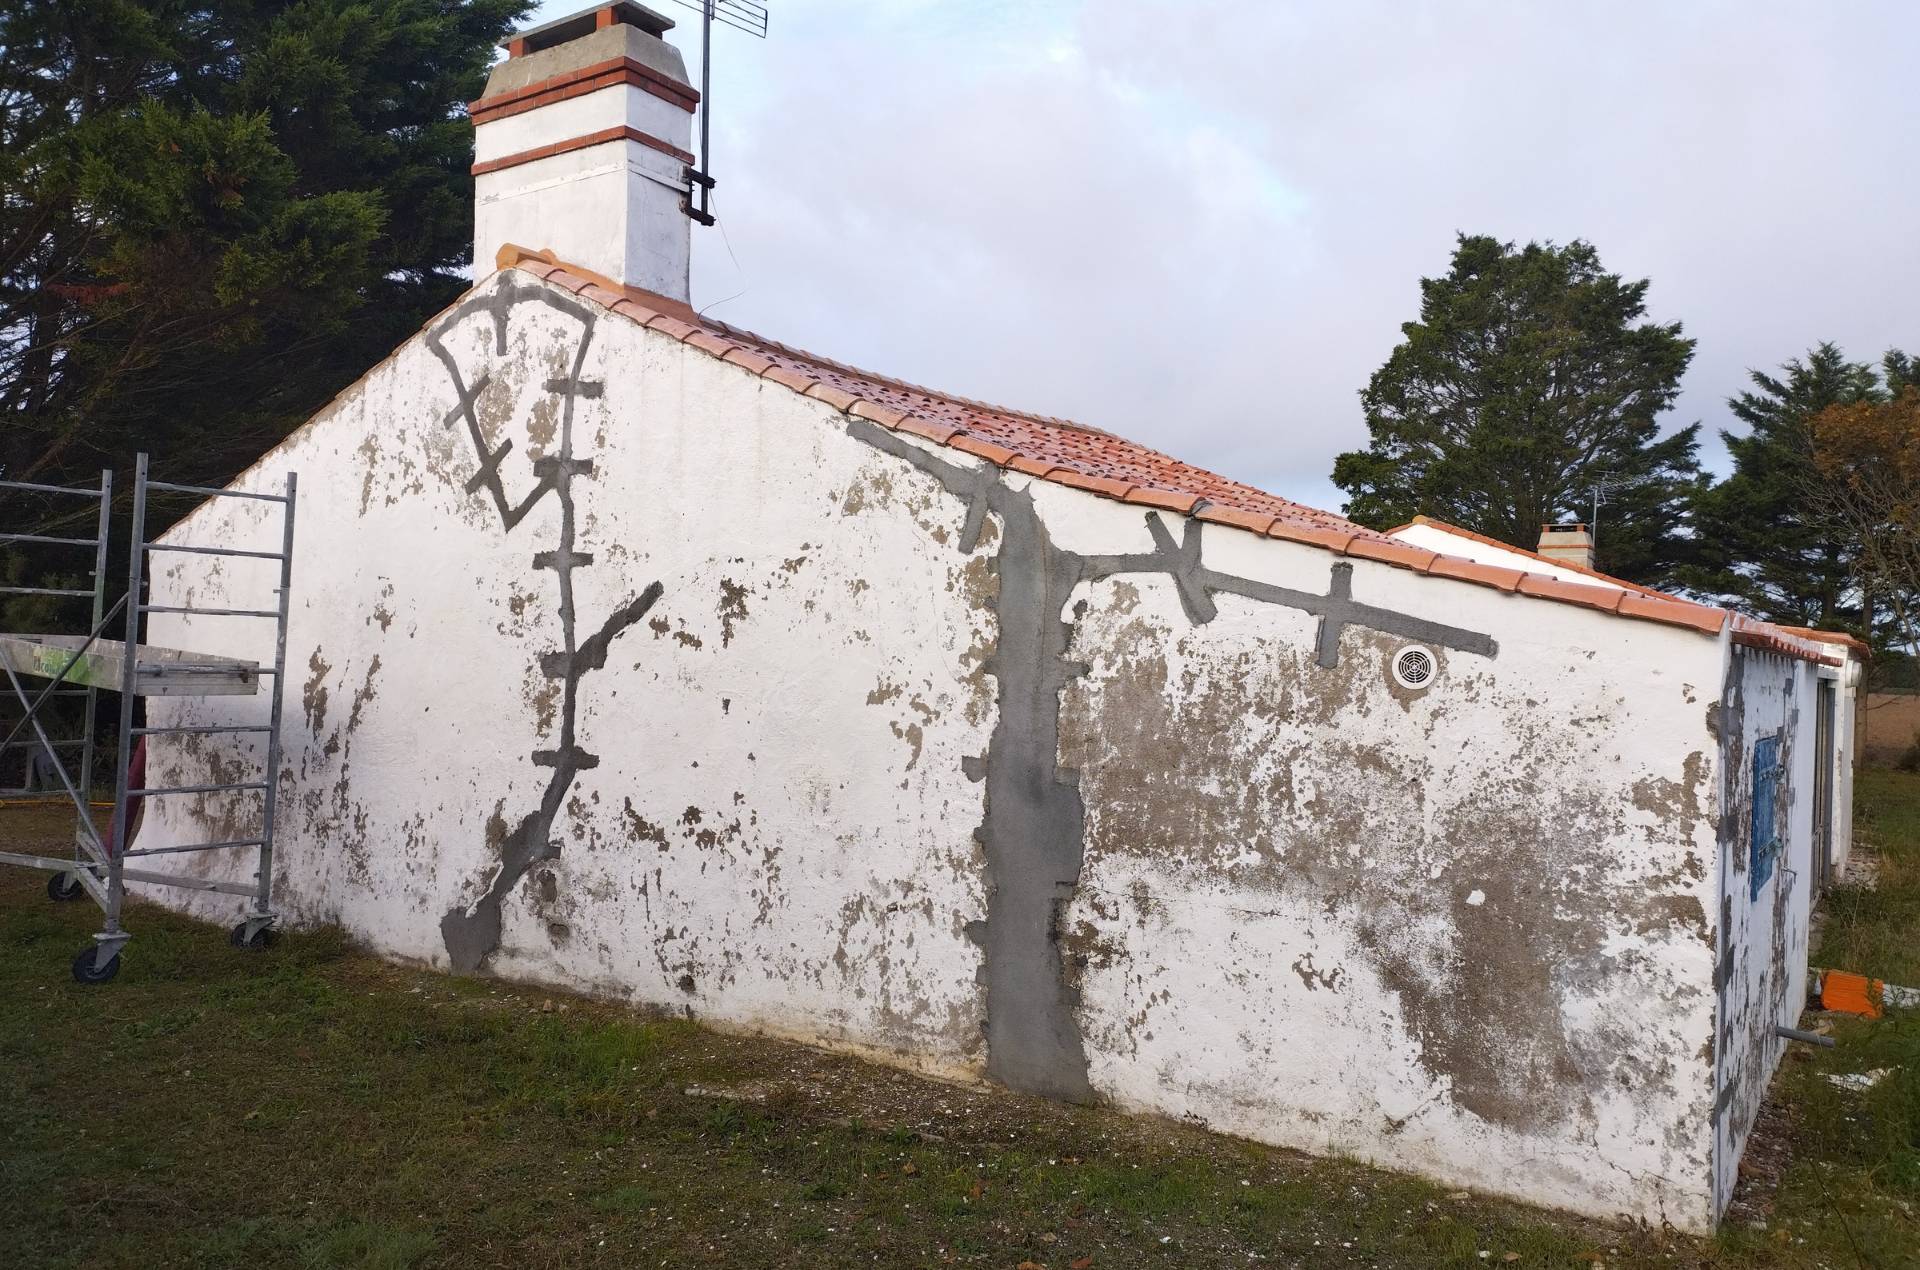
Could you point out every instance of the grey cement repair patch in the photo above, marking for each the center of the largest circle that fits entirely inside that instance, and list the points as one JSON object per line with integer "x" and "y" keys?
{"x": 472, "y": 933}
{"x": 1034, "y": 834}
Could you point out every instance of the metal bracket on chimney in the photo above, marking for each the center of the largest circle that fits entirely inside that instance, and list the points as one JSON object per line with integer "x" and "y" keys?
{"x": 742, "y": 15}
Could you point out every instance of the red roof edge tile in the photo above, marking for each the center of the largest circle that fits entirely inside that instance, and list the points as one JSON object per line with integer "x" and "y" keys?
{"x": 1165, "y": 499}
{"x": 1700, "y": 617}
{"x": 993, "y": 452}
{"x": 1294, "y": 523}
{"x": 789, "y": 378}
{"x": 1336, "y": 540}
{"x": 1483, "y": 539}
{"x": 1819, "y": 636}
{"x": 1253, "y": 522}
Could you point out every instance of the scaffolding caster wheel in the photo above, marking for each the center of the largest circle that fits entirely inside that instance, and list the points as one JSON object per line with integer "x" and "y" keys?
{"x": 85, "y": 969}
{"x": 62, "y": 887}
{"x": 253, "y": 936}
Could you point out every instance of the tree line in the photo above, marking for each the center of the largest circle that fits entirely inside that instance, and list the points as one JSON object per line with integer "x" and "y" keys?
{"x": 1532, "y": 379}
{"x": 214, "y": 215}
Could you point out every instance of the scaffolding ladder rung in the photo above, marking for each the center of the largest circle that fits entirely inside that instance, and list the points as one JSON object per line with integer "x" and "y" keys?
{"x": 176, "y": 608}
{"x": 187, "y": 883}
{"x": 55, "y": 542}
{"x": 51, "y": 489}
{"x": 203, "y": 729}
{"x": 194, "y": 789}
{"x": 196, "y": 846}
{"x": 212, "y": 551}
{"x": 209, "y": 492}
{"x": 34, "y": 745}
{"x": 42, "y": 590}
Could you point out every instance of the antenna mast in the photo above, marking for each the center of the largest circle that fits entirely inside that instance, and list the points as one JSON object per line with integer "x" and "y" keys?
{"x": 1603, "y": 487}
{"x": 742, "y": 15}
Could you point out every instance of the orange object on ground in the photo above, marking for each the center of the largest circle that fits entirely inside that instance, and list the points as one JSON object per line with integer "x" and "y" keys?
{"x": 1850, "y": 993}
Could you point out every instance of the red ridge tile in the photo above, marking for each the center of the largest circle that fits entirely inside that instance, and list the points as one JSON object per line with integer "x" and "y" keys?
{"x": 988, "y": 450}
{"x": 671, "y": 326}
{"x": 885, "y": 416}
{"x": 1165, "y": 499}
{"x": 746, "y": 359}
{"x": 838, "y": 398}
{"x": 1258, "y": 522}
{"x": 1085, "y": 458}
{"x": 787, "y": 377}
{"x": 937, "y": 432}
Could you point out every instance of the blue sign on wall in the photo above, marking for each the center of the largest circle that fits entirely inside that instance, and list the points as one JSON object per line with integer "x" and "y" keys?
{"x": 1765, "y": 846}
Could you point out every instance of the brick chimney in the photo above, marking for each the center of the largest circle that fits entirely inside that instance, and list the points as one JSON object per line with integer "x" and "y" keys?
{"x": 1567, "y": 544}
{"x": 581, "y": 146}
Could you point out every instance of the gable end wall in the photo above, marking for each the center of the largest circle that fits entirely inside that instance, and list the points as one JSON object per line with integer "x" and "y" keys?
{"x": 941, "y": 764}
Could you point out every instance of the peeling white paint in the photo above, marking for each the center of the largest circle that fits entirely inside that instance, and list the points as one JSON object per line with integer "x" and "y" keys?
{"x": 1467, "y": 931}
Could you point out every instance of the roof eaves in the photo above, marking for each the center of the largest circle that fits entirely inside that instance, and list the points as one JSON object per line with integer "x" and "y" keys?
{"x": 1635, "y": 602}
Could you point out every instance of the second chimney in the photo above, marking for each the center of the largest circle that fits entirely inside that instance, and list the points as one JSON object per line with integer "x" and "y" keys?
{"x": 581, "y": 146}
{"x": 1567, "y": 544}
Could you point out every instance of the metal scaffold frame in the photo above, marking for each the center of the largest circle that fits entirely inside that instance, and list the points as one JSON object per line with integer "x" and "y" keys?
{"x": 82, "y": 665}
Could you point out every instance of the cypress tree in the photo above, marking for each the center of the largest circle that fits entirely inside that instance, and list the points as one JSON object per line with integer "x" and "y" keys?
{"x": 215, "y": 214}
{"x": 1530, "y": 376}
{"x": 1762, "y": 544}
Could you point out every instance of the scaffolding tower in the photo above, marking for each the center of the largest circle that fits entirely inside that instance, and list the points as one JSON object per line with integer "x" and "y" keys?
{"x": 80, "y": 666}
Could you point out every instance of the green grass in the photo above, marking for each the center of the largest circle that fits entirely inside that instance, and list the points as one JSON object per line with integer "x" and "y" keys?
{"x": 1851, "y": 1195}
{"x": 315, "y": 1107}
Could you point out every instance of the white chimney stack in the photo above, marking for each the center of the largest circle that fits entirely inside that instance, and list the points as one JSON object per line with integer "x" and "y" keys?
{"x": 581, "y": 144}
{"x": 1567, "y": 544}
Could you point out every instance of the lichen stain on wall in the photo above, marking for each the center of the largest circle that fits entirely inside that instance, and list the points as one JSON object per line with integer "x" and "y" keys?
{"x": 1483, "y": 907}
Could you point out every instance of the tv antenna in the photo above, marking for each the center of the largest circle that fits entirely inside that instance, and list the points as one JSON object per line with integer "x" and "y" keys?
{"x": 1604, "y": 487}
{"x": 742, "y": 15}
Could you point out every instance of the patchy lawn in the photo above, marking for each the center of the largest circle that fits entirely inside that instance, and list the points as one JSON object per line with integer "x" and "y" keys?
{"x": 312, "y": 1106}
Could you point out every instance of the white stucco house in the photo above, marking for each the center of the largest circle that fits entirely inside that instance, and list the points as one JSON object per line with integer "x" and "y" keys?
{"x": 647, "y": 657}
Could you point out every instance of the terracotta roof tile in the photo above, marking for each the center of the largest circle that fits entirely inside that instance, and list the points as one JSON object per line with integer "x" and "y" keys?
{"x": 1255, "y": 522}
{"x": 707, "y": 342}
{"x": 939, "y": 433}
{"x": 1093, "y": 484}
{"x": 835, "y": 396}
{"x": 1166, "y": 499}
{"x": 1387, "y": 552}
{"x": 752, "y": 363}
{"x": 1818, "y": 636}
{"x": 1332, "y": 539}
{"x": 605, "y": 297}
{"x": 1593, "y": 597}
{"x": 1469, "y": 534}
{"x": 1032, "y": 467}
{"x": 1473, "y": 571}
{"x": 1674, "y": 612}
{"x": 1797, "y": 642}
{"x": 885, "y": 416}
{"x": 992, "y": 451}
{"x": 673, "y": 326}
{"x": 635, "y": 311}
{"x": 787, "y": 377}
{"x": 1086, "y": 458}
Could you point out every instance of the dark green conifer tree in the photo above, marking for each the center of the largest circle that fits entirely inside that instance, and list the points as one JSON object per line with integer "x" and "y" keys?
{"x": 1529, "y": 377}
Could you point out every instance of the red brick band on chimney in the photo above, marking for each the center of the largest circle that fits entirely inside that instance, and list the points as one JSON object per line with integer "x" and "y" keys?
{"x": 622, "y": 133}
{"x": 587, "y": 79}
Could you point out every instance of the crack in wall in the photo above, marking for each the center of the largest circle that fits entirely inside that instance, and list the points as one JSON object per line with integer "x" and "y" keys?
{"x": 1034, "y": 832}
{"x": 472, "y": 933}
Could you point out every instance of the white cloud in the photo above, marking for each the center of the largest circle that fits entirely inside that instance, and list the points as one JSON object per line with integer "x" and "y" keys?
{"x": 1201, "y": 224}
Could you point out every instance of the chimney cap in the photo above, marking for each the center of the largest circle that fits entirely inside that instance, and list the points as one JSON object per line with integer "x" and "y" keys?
{"x": 586, "y": 22}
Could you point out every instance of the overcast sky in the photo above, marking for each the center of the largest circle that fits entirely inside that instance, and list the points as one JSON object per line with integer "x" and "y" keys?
{"x": 1199, "y": 225}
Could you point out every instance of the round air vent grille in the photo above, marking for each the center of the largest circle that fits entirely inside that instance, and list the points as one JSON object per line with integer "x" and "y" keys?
{"x": 1414, "y": 668}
